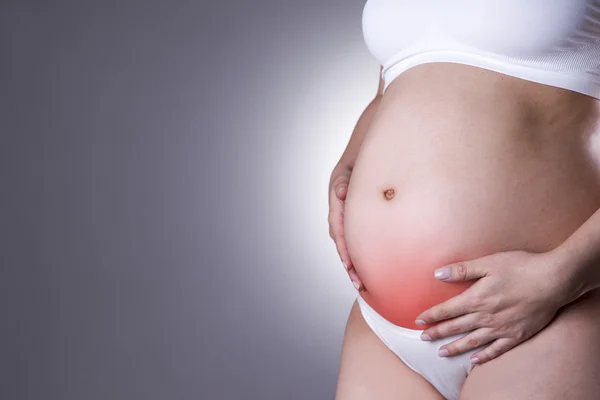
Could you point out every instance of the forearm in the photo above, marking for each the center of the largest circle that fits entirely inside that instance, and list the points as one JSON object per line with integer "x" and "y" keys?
{"x": 578, "y": 259}
{"x": 359, "y": 133}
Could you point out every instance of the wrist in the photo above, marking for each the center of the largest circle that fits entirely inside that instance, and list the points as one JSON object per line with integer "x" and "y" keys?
{"x": 342, "y": 168}
{"x": 346, "y": 161}
{"x": 568, "y": 274}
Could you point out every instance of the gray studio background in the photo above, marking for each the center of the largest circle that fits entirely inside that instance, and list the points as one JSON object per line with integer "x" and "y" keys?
{"x": 163, "y": 219}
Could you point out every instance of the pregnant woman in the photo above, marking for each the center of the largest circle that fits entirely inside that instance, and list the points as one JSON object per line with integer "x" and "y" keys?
{"x": 480, "y": 153}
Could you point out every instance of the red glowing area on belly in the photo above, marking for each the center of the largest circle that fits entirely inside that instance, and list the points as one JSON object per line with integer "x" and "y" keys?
{"x": 402, "y": 287}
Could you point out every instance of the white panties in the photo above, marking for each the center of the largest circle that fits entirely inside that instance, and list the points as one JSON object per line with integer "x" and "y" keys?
{"x": 446, "y": 374}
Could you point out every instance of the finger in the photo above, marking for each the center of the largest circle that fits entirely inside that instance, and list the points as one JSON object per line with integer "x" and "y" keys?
{"x": 340, "y": 244}
{"x": 471, "y": 341}
{"x": 356, "y": 280}
{"x": 340, "y": 186}
{"x": 455, "y": 326}
{"x": 335, "y": 218}
{"x": 461, "y": 271}
{"x": 357, "y": 284}
{"x": 497, "y": 348}
{"x": 336, "y": 227}
{"x": 338, "y": 190}
{"x": 341, "y": 190}
{"x": 451, "y": 308}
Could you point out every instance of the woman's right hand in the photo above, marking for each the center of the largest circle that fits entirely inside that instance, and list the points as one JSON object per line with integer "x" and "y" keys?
{"x": 338, "y": 188}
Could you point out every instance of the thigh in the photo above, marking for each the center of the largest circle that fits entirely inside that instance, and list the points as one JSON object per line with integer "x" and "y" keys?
{"x": 369, "y": 370}
{"x": 560, "y": 362}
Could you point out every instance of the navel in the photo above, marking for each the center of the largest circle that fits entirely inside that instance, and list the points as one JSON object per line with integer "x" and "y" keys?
{"x": 389, "y": 193}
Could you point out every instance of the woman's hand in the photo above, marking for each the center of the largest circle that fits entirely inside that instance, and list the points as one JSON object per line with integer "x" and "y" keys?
{"x": 338, "y": 188}
{"x": 516, "y": 295}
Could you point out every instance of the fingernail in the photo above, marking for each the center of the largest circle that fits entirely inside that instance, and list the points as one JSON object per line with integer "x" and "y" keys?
{"x": 443, "y": 353}
{"x": 420, "y": 322}
{"x": 340, "y": 189}
{"x": 345, "y": 265}
{"x": 425, "y": 337}
{"x": 474, "y": 360}
{"x": 442, "y": 273}
{"x": 356, "y": 285}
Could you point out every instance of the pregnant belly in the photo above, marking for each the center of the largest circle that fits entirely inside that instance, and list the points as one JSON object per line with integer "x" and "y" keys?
{"x": 434, "y": 193}
{"x": 396, "y": 244}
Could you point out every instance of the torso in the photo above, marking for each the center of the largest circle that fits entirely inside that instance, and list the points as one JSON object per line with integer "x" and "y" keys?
{"x": 460, "y": 162}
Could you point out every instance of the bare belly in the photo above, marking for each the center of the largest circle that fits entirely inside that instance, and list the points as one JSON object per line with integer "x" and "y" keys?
{"x": 458, "y": 163}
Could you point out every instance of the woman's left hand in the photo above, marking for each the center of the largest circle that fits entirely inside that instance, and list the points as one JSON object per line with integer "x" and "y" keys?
{"x": 516, "y": 295}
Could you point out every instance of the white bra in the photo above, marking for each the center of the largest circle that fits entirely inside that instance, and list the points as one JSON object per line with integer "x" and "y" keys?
{"x": 553, "y": 42}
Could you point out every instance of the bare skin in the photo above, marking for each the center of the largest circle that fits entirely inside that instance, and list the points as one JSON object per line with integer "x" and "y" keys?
{"x": 368, "y": 370}
{"x": 458, "y": 162}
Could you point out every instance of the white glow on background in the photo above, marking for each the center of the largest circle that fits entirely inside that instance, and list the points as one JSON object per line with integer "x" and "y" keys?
{"x": 318, "y": 117}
